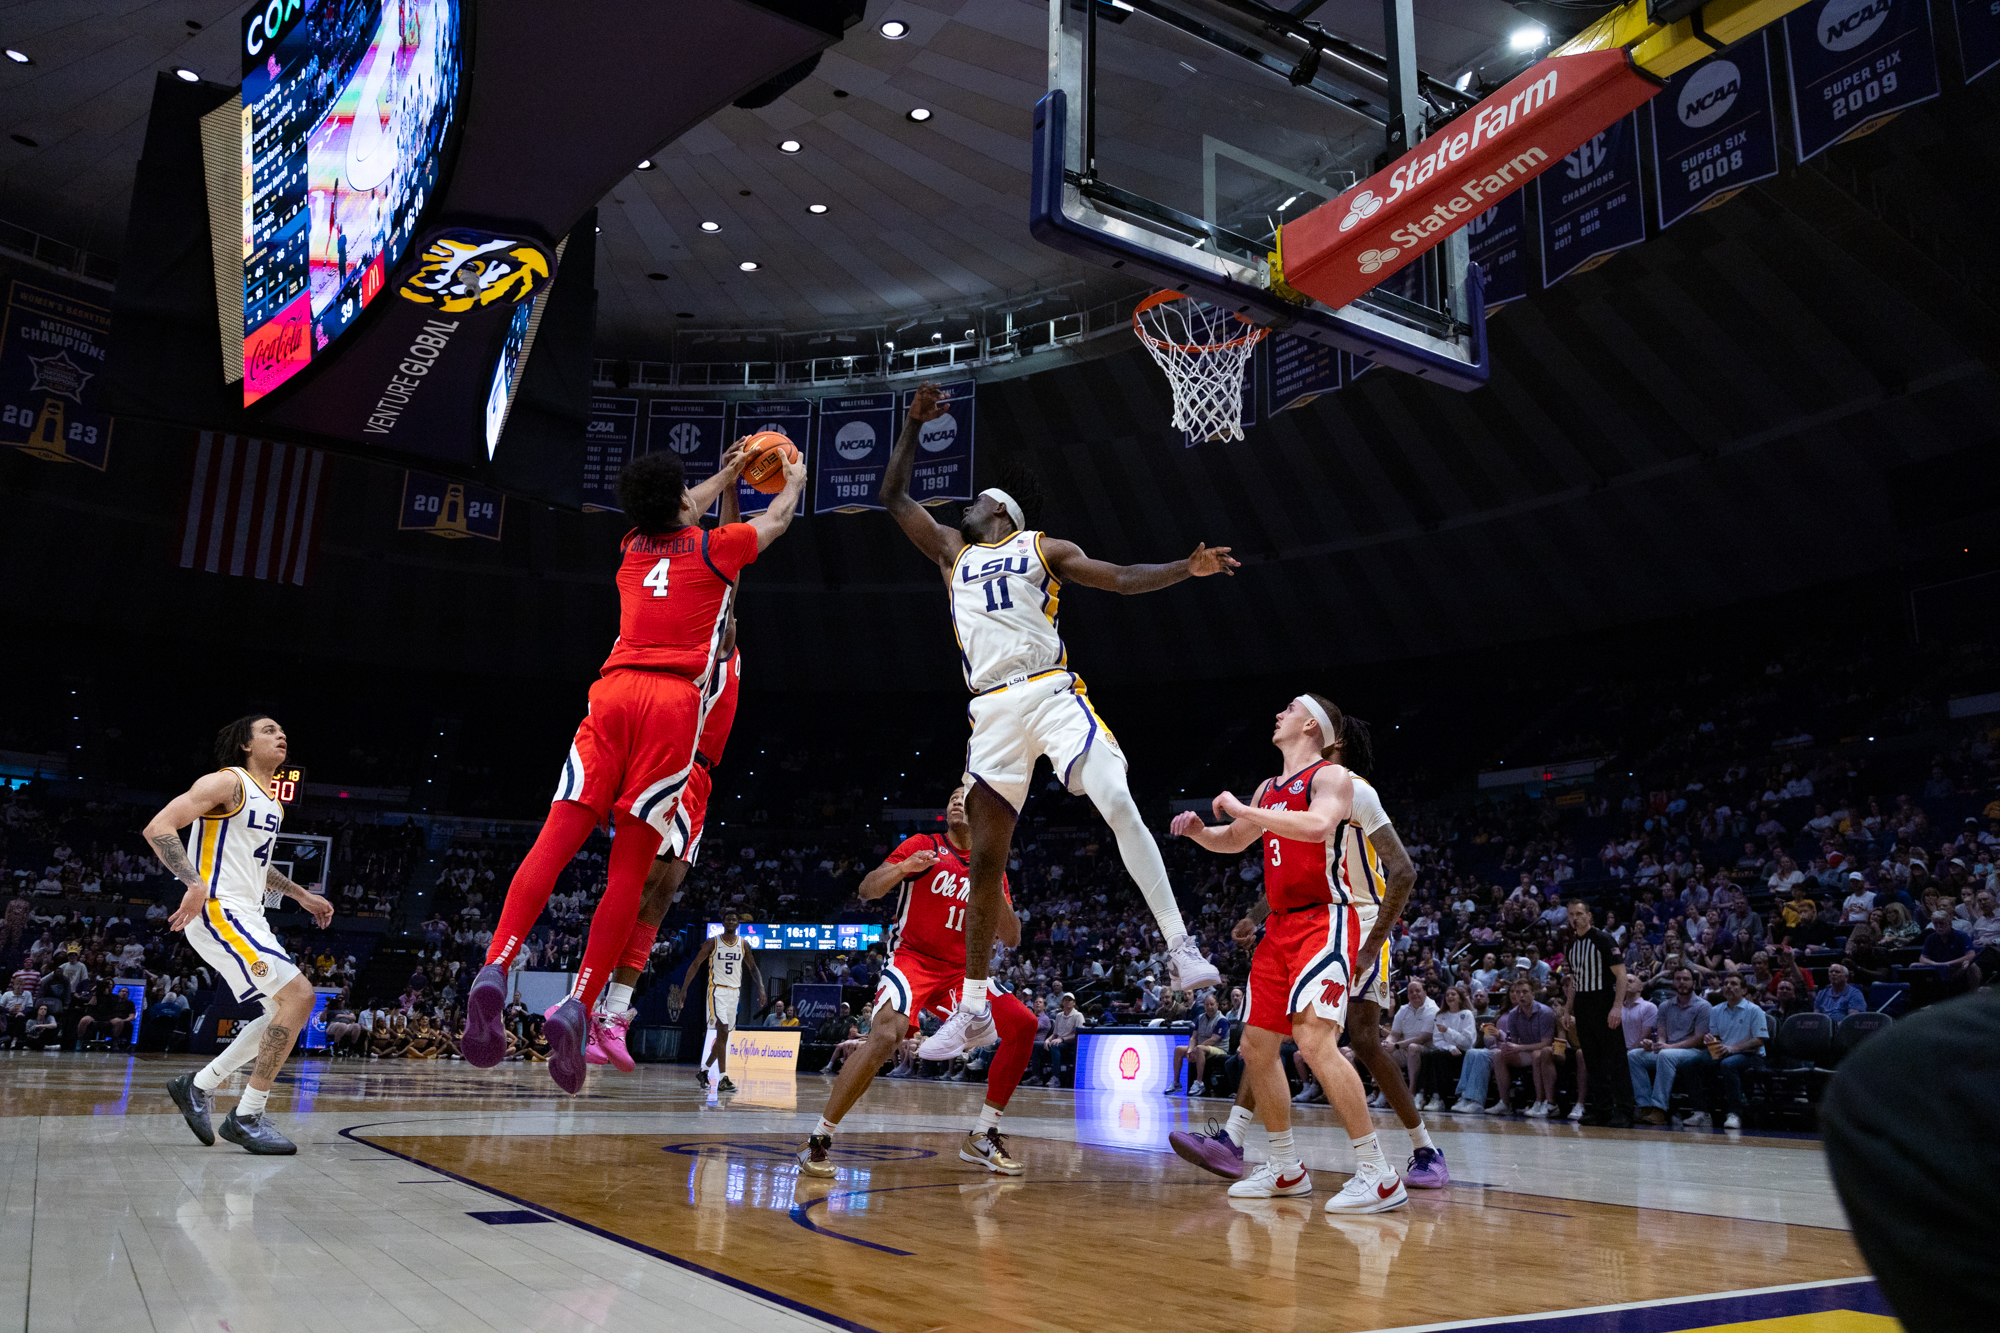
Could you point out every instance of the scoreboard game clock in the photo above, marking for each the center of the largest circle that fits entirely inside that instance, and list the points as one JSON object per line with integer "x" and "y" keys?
{"x": 288, "y": 784}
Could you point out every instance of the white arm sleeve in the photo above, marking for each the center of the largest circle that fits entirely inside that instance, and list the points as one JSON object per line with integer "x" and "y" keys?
{"x": 1368, "y": 812}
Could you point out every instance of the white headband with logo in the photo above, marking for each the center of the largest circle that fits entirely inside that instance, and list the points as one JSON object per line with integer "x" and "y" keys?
{"x": 1327, "y": 734}
{"x": 1008, "y": 503}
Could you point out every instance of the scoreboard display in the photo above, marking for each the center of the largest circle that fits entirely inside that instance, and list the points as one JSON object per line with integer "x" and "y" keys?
{"x": 836, "y": 938}
{"x": 288, "y": 784}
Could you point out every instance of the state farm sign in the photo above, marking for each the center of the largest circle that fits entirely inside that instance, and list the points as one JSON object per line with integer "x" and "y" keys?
{"x": 1341, "y": 249}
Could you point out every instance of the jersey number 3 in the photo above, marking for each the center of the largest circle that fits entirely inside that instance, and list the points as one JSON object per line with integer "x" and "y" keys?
{"x": 1277, "y": 853}
{"x": 656, "y": 578}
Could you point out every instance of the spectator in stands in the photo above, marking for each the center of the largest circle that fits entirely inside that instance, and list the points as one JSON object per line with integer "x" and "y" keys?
{"x": 856, "y": 1038}
{"x": 41, "y": 1032}
{"x": 1860, "y": 900}
{"x": 1526, "y": 1035}
{"x": 1639, "y": 1018}
{"x": 1064, "y": 1025}
{"x": 1737, "y": 1031}
{"x": 1681, "y": 1039}
{"x": 1787, "y": 1001}
{"x": 1453, "y": 1034}
{"x": 1208, "y": 1041}
{"x": 780, "y": 1016}
{"x": 1411, "y": 1035}
{"x": 1949, "y": 953}
{"x": 1837, "y": 999}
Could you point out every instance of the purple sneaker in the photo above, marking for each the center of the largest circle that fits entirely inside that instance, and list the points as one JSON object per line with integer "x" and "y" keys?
{"x": 1426, "y": 1170}
{"x": 484, "y": 1043}
{"x": 1214, "y": 1151}
{"x": 564, "y": 1026}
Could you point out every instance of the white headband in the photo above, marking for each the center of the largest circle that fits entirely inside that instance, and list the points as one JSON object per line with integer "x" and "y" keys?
{"x": 1007, "y": 503}
{"x": 1327, "y": 735}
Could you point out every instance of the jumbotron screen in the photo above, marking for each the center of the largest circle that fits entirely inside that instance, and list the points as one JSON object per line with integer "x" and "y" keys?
{"x": 346, "y": 106}
{"x": 842, "y": 937}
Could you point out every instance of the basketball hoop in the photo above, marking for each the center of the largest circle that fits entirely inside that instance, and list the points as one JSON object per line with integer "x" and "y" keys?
{"x": 1202, "y": 348}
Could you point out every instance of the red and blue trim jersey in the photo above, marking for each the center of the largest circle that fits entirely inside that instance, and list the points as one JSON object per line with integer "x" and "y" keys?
{"x": 930, "y": 915}
{"x": 721, "y": 712}
{"x": 673, "y": 597}
{"x": 1297, "y": 874}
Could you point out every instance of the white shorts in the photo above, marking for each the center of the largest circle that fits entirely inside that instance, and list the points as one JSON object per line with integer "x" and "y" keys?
{"x": 722, "y": 1005}
{"x": 1372, "y": 975}
{"x": 240, "y": 946}
{"x": 1048, "y": 713}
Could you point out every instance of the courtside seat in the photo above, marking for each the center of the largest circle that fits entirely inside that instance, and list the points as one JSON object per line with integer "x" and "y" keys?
{"x": 1786, "y": 1092}
{"x": 1857, "y": 1028}
{"x": 1888, "y": 997}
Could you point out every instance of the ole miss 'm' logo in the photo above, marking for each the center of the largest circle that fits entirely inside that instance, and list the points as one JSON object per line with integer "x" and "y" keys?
{"x": 1329, "y": 993}
{"x": 1128, "y": 1063}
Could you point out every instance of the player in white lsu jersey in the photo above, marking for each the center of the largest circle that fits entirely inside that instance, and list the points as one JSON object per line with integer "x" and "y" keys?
{"x": 226, "y": 866}
{"x": 728, "y": 963}
{"x": 1005, "y": 584}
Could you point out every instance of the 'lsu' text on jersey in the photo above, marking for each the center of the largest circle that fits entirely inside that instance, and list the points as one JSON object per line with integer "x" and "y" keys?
{"x": 1004, "y": 599}
{"x": 232, "y": 851}
{"x": 725, "y": 964}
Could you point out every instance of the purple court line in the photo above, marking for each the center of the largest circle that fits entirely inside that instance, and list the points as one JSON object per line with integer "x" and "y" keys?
{"x": 1685, "y": 1314}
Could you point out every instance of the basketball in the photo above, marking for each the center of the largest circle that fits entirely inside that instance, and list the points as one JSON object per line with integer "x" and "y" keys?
{"x": 770, "y": 450}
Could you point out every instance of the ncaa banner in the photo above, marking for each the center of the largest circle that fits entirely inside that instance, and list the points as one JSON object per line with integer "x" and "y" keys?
{"x": 1301, "y": 369}
{"x": 1855, "y": 64}
{"x": 51, "y": 361}
{"x": 608, "y": 439}
{"x": 1715, "y": 130}
{"x": 851, "y": 450}
{"x": 790, "y": 417}
{"x": 1498, "y": 244}
{"x": 446, "y": 508}
{"x": 944, "y": 447}
{"x": 1978, "y": 24}
{"x": 1590, "y": 203}
{"x": 694, "y": 428}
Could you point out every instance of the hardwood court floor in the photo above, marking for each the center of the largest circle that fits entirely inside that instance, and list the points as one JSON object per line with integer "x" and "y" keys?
{"x": 433, "y": 1196}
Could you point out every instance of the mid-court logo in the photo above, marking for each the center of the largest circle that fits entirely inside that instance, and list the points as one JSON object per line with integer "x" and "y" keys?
{"x": 1709, "y": 94}
{"x": 684, "y": 438}
{"x": 854, "y": 441}
{"x": 1846, "y": 24}
{"x": 937, "y": 436}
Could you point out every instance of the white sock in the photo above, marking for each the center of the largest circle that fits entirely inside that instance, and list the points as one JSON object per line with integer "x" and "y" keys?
{"x": 207, "y": 1079}
{"x": 1420, "y": 1137}
{"x": 827, "y": 1127}
{"x": 617, "y": 998}
{"x": 234, "y": 1056}
{"x": 1281, "y": 1152}
{"x": 1104, "y": 783}
{"x": 989, "y": 1118}
{"x": 973, "y": 997}
{"x": 1368, "y": 1152}
{"x": 1239, "y": 1120}
{"x": 252, "y": 1102}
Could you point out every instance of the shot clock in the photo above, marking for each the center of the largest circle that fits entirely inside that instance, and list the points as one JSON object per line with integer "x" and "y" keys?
{"x": 288, "y": 784}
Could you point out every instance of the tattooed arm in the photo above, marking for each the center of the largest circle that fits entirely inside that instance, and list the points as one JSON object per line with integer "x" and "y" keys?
{"x": 321, "y": 909}
{"x": 221, "y": 790}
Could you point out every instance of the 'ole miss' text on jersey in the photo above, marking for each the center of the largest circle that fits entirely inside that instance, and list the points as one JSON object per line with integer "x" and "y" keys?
{"x": 930, "y": 915}
{"x": 1300, "y": 874}
{"x": 673, "y": 598}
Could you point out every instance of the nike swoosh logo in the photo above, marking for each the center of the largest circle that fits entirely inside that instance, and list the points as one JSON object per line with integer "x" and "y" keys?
{"x": 1284, "y": 1184}
{"x": 1384, "y": 1191}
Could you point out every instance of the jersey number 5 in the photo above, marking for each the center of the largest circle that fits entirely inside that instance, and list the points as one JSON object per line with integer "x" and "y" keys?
{"x": 656, "y": 578}
{"x": 1005, "y": 602}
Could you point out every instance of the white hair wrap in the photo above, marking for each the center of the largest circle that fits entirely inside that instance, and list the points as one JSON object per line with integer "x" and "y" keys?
{"x": 1327, "y": 735}
{"x": 1008, "y": 503}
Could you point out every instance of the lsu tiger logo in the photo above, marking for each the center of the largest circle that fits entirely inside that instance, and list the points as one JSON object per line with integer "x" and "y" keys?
{"x": 463, "y": 269}
{"x": 260, "y": 969}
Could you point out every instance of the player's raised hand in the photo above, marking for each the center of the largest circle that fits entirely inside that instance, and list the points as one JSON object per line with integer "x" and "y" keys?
{"x": 1208, "y": 560}
{"x": 1244, "y": 931}
{"x": 1186, "y": 824}
{"x": 734, "y": 457}
{"x": 918, "y": 862}
{"x": 925, "y": 404}
{"x": 1227, "y": 807}
{"x": 795, "y": 473}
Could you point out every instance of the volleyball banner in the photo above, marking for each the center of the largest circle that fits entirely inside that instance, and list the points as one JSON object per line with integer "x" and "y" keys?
{"x": 608, "y": 441}
{"x": 851, "y": 450}
{"x": 697, "y": 429}
{"x": 944, "y": 446}
{"x": 790, "y": 417}
{"x": 1978, "y": 23}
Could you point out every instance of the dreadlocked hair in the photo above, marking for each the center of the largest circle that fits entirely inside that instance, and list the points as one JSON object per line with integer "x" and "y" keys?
{"x": 234, "y": 739}
{"x": 1021, "y": 481}
{"x": 1357, "y": 746}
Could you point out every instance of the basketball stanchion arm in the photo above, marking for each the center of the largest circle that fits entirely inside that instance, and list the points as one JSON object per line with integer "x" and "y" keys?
{"x": 1664, "y": 50}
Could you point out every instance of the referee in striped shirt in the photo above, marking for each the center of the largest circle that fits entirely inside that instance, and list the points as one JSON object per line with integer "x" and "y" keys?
{"x": 1594, "y": 985}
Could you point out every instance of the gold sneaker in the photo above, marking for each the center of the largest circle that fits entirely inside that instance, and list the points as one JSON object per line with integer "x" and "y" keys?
{"x": 990, "y": 1151}
{"x": 813, "y": 1159}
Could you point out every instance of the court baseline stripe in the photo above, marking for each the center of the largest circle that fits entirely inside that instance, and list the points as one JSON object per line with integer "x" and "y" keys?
{"x": 749, "y": 1288}
{"x": 1662, "y": 1316}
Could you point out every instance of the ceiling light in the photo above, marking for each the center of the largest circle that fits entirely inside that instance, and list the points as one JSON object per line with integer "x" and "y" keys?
{"x": 1527, "y": 38}
{"x": 920, "y": 114}
{"x": 895, "y": 31}
{"x": 645, "y": 164}
{"x": 186, "y": 75}
{"x": 789, "y": 146}
{"x": 815, "y": 208}
{"x": 19, "y": 57}
{"x": 1464, "y": 81}
{"x": 711, "y": 226}
{"x": 748, "y": 266}
{"x": 1288, "y": 203}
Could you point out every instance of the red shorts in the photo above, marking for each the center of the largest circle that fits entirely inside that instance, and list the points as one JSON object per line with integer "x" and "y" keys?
{"x": 913, "y": 982}
{"x": 1305, "y": 961}
{"x": 683, "y": 840}
{"x": 635, "y": 749}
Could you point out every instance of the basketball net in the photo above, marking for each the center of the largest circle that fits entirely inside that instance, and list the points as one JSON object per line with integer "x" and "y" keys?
{"x": 1202, "y": 349}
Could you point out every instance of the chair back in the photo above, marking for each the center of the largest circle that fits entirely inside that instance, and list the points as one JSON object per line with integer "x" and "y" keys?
{"x": 1806, "y": 1037}
{"x": 1888, "y": 997}
{"x": 1856, "y": 1028}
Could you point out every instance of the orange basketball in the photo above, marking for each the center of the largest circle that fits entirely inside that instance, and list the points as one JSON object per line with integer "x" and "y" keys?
{"x": 770, "y": 450}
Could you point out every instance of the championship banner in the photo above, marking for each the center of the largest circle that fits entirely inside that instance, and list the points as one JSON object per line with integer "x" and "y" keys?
{"x": 51, "y": 354}
{"x": 1855, "y": 64}
{"x": 695, "y": 428}
{"x": 1301, "y": 370}
{"x": 1499, "y": 246}
{"x": 764, "y": 1051}
{"x": 1591, "y": 204}
{"x": 1978, "y": 24}
{"x": 944, "y": 447}
{"x": 851, "y": 449}
{"x": 608, "y": 441}
{"x": 453, "y": 509}
{"x": 1715, "y": 130}
{"x": 791, "y": 417}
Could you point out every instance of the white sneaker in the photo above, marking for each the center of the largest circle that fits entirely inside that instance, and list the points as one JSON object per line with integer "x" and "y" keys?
{"x": 1466, "y": 1106}
{"x": 1369, "y": 1190}
{"x": 1305, "y": 1094}
{"x": 1432, "y": 1103}
{"x": 1377, "y": 1101}
{"x": 1190, "y": 970}
{"x": 1539, "y": 1111}
{"x": 1498, "y": 1108}
{"x": 1734, "y": 1121}
{"x": 1265, "y": 1183}
{"x": 964, "y": 1030}
{"x": 1699, "y": 1120}
{"x": 1576, "y": 1112}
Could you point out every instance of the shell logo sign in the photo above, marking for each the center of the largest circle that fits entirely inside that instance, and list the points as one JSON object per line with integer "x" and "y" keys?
{"x": 1128, "y": 1063}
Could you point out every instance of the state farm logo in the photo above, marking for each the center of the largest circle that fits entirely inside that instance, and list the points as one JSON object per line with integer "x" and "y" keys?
{"x": 1709, "y": 94}
{"x": 1586, "y": 159}
{"x": 1366, "y": 205}
{"x": 1372, "y": 260}
{"x": 684, "y": 438}
{"x": 855, "y": 440}
{"x": 937, "y": 436}
{"x": 1846, "y": 24}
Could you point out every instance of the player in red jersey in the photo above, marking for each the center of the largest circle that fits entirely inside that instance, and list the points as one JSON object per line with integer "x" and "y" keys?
{"x": 1303, "y": 968}
{"x": 926, "y": 966}
{"x": 612, "y": 1018}
{"x": 632, "y": 755}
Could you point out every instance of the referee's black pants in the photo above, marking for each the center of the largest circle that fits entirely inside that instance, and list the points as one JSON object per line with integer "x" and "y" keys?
{"x": 1604, "y": 1053}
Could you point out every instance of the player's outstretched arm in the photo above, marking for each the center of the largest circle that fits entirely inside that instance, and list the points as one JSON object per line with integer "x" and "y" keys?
{"x": 1399, "y": 875}
{"x": 891, "y": 873}
{"x": 933, "y": 538}
{"x": 1224, "y": 839}
{"x": 211, "y": 791}
{"x": 705, "y": 492}
{"x": 771, "y": 524}
{"x": 1071, "y": 565}
{"x": 1332, "y": 801}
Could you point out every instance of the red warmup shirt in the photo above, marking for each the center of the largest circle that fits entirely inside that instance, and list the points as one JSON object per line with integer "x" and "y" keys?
{"x": 721, "y": 712}
{"x": 1296, "y": 874}
{"x": 930, "y": 917}
{"x": 673, "y": 597}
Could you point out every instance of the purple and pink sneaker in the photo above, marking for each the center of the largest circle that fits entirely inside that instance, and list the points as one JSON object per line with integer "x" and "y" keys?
{"x": 1426, "y": 1170}
{"x": 1214, "y": 1151}
{"x": 606, "y": 1042}
{"x": 564, "y": 1025}
{"x": 484, "y": 1042}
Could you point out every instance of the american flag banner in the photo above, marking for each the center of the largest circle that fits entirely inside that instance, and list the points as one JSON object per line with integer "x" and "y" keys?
{"x": 253, "y": 508}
